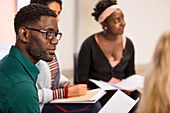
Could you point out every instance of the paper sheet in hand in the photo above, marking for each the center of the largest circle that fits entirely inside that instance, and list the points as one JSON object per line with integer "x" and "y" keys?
{"x": 119, "y": 103}
{"x": 103, "y": 85}
{"x": 131, "y": 83}
{"x": 91, "y": 97}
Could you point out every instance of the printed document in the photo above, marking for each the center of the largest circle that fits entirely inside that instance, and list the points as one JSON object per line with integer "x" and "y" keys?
{"x": 119, "y": 103}
{"x": 131, "y": 83}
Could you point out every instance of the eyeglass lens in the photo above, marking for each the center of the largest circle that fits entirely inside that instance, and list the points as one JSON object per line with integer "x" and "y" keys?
{"x": 52, "y": 35}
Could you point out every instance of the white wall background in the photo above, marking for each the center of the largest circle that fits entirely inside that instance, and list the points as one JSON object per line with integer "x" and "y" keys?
{"x": 146, "y": 20}
{"x": 22, "y": 3}
{"x": 67, "y": 26}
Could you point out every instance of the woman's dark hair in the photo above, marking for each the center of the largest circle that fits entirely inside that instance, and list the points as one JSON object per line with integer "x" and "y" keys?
{"x": 46, "y": 2}
{"x": 31, "y": 14}
{"x": 101, "y": 6}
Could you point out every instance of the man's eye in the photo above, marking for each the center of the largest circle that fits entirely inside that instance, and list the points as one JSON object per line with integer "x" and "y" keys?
{"x": 50, "y": 33}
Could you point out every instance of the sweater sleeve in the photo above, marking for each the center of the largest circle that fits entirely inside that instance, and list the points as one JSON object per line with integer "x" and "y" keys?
{"x": 84, "y": 63}
{"x": 46, "y": 95}
{"x": 130, "y": 69}
{"x": 59, "y": 93}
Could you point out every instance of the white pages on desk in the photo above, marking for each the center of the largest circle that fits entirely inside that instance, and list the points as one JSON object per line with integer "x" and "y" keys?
{"x": 92, "y": 96}
{"x": 131, "y": 83}
{"x": 119, "y": 103}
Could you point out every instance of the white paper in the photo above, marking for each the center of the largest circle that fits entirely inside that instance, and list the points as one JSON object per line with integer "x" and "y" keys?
{"x": 131, "y": 83}
{"x": 103, "y": 85}
{"x": 119, "y": 103}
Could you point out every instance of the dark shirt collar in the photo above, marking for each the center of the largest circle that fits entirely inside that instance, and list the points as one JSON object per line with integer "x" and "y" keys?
{"x": 27, "y": 64}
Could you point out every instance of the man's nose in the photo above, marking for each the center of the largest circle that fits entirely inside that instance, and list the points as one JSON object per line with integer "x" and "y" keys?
{"x": 54, "y": 41}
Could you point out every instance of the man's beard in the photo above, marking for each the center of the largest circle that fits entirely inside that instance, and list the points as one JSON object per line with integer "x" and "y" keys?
{"x": 35, "y": 50}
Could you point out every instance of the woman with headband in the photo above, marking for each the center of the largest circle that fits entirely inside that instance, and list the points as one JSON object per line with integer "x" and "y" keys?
{"x": 109, "y": 54}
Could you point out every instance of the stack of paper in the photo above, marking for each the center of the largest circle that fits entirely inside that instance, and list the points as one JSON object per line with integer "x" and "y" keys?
{"x": 131, "y": 83}
{"x": 92, "y": 96}
{"x": 119, "y": 103}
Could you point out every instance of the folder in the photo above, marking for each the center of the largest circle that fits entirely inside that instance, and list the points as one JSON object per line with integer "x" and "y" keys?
{"x": 92, "y": 96}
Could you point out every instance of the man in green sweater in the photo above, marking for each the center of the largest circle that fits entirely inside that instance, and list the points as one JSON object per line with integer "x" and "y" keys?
{"x": 37, "y": 36}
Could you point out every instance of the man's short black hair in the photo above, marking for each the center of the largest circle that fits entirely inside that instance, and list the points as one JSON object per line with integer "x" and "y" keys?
{"x": 31, "y": 14}
{"x": 101, "y": 6}
{"x": 46, "y": 2}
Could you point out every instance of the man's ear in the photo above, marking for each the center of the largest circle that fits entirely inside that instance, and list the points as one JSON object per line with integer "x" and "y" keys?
{"x": 23, "y": 34}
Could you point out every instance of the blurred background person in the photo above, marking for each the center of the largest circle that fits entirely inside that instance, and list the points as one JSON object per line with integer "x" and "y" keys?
{"x": 155, "y": 97}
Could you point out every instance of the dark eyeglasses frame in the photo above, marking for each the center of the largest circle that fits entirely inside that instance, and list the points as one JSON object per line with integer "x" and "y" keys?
{"x": 44, "y": 31}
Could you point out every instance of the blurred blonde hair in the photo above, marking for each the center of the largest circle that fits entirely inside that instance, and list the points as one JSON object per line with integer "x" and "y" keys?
{"x": 156, "y": 93}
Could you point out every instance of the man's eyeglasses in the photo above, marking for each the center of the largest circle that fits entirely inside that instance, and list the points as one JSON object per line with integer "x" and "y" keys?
{"x": 49, "y": 34}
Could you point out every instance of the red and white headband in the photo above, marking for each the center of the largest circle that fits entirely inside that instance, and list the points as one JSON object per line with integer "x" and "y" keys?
{"x": 107, "y": 12}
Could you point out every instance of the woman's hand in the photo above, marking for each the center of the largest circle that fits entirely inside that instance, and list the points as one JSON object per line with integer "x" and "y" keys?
{"x": 128, "y": 92}
{"x": 114, "y": 80}
{"x": 77, "y": 90}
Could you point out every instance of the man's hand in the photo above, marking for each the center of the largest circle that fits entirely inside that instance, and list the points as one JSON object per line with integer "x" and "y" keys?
{"x": 77, "y": 90}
